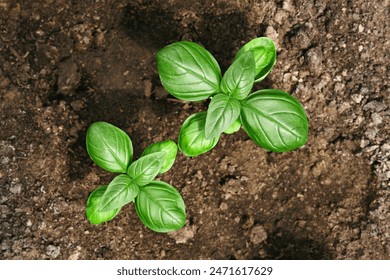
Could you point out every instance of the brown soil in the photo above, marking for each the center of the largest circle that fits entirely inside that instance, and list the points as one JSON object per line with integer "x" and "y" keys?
{"x": 65, "y": 64}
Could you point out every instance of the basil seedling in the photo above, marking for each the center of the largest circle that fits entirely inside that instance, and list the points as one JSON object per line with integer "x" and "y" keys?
{"x": 159, "y": 205}
{"x": 273, "y": 119}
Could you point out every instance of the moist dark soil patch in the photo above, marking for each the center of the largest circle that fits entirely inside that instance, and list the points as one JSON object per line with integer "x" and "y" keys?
{"x": 65, "y": 64}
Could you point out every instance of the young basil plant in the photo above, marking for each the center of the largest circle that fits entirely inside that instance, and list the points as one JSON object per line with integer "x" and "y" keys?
{"x": 159, "y": 206}
{"x": 273, "y": 119}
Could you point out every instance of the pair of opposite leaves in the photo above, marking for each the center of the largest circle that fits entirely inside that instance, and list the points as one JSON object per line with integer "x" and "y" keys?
{"x": 273, "y": 119}
{"x": 159, "y": 206}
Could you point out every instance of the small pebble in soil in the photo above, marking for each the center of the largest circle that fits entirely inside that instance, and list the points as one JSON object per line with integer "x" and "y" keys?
{"x": 181, "y": 236}
{"x": 223, "y": 206}
{"x": 5, "y": 160}
{"x": 314, "y": 58}
{"x": 147, "y": 88}
{"x": 258, "y": 234}
{"x": 376, "y": 118}
{"x": 76, "y": 254}
{"x": 357, "y": 98}
{"x": 371, "y": 133}
{"x": 374, "y": 106}
{"x": 17, "y": 189}
{"x": 385, "y": 147}
{"x": 53, "y": 251}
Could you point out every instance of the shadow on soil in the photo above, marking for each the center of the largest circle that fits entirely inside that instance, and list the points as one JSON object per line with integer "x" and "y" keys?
{"x": 284, "y": 245}
{"x": 156, "y": 26}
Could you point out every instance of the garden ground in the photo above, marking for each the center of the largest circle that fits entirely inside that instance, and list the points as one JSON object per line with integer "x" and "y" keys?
{"x": 65, "y": 64}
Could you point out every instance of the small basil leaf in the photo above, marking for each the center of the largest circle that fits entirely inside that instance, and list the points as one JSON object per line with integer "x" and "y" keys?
{"x": 109, "y": 147}
{"x": 188, "y": 71}
{"x": 222, "y": 112}
{"x": 236, "y": 125}
{"x": 121, "y": 191}
{"x": 192, "y": 141}
{"x": 275, "y": 120}
{"x": 94, "y": 215}
{"x": 160, "y": 207}
{"x": 264, "y": 53}
{"x": 146, "y": 168}
{"x": 239, "y": 78}
{"x": 169, "y": 148}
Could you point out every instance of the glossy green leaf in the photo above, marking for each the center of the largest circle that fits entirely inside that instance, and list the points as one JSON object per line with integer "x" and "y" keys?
{"x": 169, "y": 148}
{"x": 94, "y": 215}
{"x": 192, "y": 141}
{"x": 239, "y": 78}
{"x": 188, "y": 71}
{"x": 236, "y": 125}
{"x": 121, "y": 191}
{"x": 275, "y": 120}
{"x": 160, "y": 207}
{"x": 222, "y": 112}
{"x": 146, "y": 168}
{"x": 264, "y": 53}
{"x": 109, "y": 147}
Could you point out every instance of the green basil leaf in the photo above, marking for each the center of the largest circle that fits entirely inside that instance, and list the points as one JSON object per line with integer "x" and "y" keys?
{"x": 121, "y": 191}
{"x": 109, "y": 147}
{"x": 192, "y": 141}
{"x": 222, "y": 112}
{"x": 146, "y": 168}
{"x": 264, "y": 53}
{"x": 236, "y": 125}
{"x": 275, "y": 120}
{"x": 188, "y": 71}
{"x": 239, "y": 78}
{"x": 169, "y": 148}
{"x": 94, "y": 215}
{"x": 160, "y": 207}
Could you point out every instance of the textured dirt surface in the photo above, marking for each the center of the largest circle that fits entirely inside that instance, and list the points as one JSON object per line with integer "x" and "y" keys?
{"x": 65, "y": 64}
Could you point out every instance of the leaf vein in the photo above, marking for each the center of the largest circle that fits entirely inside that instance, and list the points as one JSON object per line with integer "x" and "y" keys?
{"x": 273, "y": 120}
{"x": 192, "y": 72}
